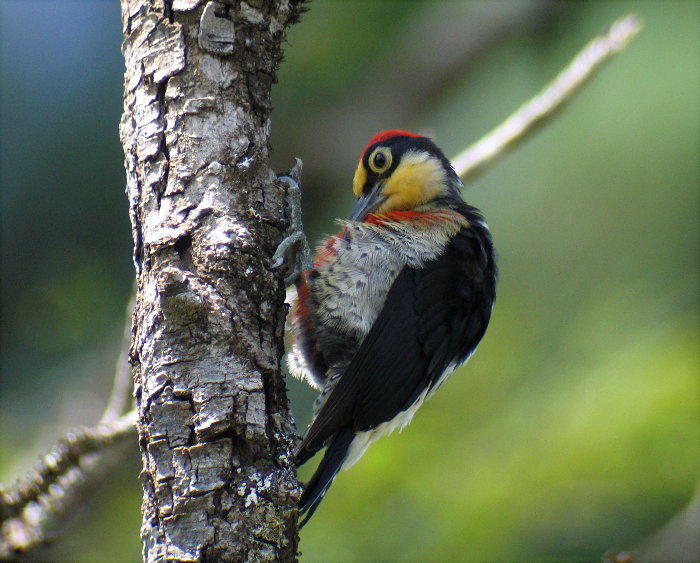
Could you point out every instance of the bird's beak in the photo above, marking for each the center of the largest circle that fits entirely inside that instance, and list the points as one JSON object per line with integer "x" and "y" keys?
{"x": 368, "y": 203}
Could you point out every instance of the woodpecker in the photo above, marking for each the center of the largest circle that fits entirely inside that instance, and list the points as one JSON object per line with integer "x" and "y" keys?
{"x": 391, "y": 305}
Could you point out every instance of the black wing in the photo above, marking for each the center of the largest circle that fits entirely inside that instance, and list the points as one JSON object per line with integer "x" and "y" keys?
{"x": 433, "y": 316}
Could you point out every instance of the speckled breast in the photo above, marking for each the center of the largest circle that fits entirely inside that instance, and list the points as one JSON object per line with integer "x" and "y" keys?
{"x": 354, "y": 271}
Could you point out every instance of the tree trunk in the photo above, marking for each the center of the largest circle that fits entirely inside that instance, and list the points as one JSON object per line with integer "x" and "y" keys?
{"x": 215, "y": 431}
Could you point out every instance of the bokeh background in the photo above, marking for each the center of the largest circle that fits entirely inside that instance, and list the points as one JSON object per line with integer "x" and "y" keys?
{"x": 574, "y": 430}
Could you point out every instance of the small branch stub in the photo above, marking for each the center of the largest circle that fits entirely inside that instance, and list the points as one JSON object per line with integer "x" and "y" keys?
{"x": 217, "y": 33}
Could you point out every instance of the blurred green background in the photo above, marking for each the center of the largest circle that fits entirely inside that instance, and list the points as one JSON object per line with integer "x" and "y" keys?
{"x": 574, "y": 430}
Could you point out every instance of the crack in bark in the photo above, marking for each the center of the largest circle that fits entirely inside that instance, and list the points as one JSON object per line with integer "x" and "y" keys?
{"x": 163, "y": 149}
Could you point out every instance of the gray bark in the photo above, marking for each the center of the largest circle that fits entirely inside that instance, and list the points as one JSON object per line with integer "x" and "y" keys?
{"x": 215, "y": 431}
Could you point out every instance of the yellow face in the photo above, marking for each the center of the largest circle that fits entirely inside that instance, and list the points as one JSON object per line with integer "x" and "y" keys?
{"x": 360, "y": 179}
{"x": 418, "y": 178}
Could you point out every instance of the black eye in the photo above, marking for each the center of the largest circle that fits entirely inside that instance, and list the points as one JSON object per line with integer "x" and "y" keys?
{"x": 380, "y": 160}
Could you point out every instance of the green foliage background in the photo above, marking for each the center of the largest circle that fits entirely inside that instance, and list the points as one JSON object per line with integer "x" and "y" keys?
{"x": 572, "y": 431}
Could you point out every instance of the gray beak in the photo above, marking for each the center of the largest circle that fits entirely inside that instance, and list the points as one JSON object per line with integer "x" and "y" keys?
{"x": 368, "y": 203}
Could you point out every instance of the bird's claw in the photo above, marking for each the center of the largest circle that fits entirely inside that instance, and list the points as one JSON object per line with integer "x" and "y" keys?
{"x": 293, "y": 251}
{"x": 286, "y": 255}
{"x": 279, "y": 261}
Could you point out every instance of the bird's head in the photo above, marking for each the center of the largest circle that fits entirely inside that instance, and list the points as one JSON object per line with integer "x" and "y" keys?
{"x": 402, "y": 171}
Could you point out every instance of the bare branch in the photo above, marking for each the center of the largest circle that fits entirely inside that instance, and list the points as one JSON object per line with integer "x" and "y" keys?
{"x": 476, "y": 158}
{"x": 39, "y": 500}
{"x": 66, "y": 453}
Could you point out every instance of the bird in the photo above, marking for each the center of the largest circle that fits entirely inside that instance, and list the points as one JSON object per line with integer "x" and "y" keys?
{"x": 390, "y": 306}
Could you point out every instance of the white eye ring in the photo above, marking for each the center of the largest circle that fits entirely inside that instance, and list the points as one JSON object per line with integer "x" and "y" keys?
{"x": 380, "y": 160}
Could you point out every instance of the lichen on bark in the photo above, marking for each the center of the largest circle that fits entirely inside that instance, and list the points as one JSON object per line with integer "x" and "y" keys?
{"x": 215, "y": 431}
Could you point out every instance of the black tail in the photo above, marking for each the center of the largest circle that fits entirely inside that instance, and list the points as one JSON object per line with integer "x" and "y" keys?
{"x": 326, "y": 471}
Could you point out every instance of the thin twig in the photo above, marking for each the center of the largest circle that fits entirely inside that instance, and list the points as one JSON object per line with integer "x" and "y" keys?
{"x": 476, "y": 158}
{"x": 122, "y": 384}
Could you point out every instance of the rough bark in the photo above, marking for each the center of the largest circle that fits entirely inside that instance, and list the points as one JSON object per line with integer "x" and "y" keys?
{"x": 215, "y": 431}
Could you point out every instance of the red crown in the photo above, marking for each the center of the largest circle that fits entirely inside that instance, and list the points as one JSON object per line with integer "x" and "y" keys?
{"x": 386, "y": 135}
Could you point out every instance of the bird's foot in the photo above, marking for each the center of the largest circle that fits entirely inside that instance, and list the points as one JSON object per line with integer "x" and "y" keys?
{"x": 293, "y": 252}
